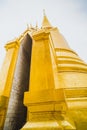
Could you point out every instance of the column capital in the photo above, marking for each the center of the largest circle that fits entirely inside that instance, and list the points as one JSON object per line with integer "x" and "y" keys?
{"x": 12, "y": 44}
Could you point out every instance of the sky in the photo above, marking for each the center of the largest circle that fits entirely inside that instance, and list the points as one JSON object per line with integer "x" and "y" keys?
{"x": 70, "y": 16}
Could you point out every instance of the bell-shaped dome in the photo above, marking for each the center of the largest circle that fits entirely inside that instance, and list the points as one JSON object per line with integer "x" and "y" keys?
{"x": 67, "y": 59}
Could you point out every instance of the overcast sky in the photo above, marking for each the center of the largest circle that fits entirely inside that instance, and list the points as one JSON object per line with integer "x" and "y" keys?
{"x": 70, "y": 16}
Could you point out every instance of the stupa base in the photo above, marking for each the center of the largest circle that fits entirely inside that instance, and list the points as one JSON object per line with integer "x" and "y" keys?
{"x": 48, "y": 121}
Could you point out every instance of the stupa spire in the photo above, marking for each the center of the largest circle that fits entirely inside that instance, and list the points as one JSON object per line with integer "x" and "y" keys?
{"x": 45, "y": 22}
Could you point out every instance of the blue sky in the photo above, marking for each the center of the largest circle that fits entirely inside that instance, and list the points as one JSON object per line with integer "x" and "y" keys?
{"x": 70, "y": 16}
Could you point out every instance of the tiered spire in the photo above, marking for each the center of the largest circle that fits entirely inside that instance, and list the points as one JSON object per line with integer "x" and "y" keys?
{"x": 45, "y": 23}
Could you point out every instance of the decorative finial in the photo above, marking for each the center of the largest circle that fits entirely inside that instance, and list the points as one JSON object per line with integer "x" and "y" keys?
{"x": 36, "y": 25}
{"x": 44, "y": 12}
{"x": 27, "y": 26}
{"x": 30, "y": 25}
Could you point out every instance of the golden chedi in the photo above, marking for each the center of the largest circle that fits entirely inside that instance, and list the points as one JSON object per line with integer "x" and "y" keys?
{"x": 43, "y": 83}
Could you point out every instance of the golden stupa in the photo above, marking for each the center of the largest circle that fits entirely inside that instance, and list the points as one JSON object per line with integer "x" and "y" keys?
{"x": 43, "y": 83}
